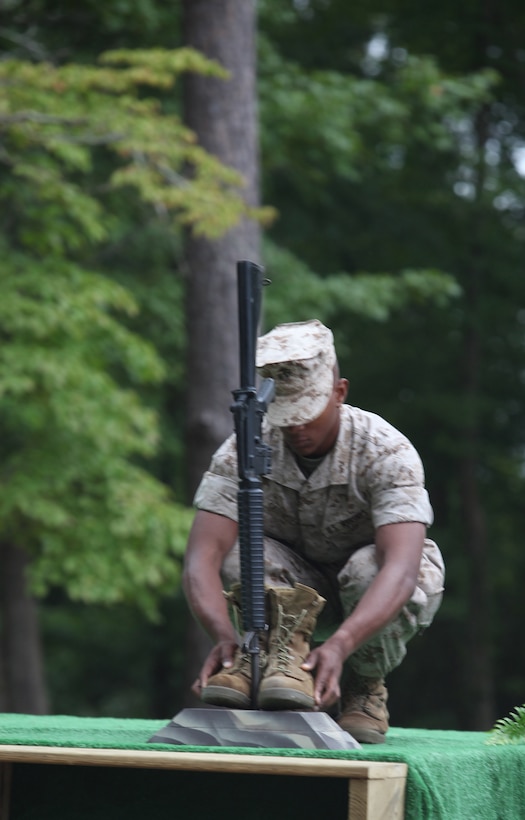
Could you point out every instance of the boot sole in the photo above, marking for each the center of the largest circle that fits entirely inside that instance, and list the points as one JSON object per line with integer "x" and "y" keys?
{"x": 222, "y": 696}
{"x": 282, "y": 698}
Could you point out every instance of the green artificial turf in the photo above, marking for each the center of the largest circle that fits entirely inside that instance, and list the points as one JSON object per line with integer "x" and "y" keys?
{"x": 451, "y": 776}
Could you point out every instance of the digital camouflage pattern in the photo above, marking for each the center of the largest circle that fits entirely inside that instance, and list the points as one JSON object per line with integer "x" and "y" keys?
{"x": 343, "y": 589}
{"x": 319, "y": 530}
{"x": 300, "y": 358}
{"x": 373, "y": 476}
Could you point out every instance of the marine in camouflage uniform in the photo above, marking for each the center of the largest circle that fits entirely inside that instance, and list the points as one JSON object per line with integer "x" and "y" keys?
{"x": 347, "y": 563}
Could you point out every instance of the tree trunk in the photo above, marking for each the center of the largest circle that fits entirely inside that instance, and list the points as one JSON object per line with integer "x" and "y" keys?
{"x": 22, "y": 666}
{"x": 223, "y": 114}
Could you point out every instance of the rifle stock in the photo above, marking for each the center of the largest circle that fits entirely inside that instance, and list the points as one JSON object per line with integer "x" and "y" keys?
{"x": 253, "y": 461}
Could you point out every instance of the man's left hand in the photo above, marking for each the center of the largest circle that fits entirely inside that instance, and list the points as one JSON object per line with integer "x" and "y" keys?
{"x": 326, "y": 663}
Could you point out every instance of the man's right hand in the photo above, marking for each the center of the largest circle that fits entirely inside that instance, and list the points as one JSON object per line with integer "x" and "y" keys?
{"x": 220, "y": 657}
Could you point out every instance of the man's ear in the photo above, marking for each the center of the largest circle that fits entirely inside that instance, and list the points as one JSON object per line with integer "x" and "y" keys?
{"x": 341, "y": 390}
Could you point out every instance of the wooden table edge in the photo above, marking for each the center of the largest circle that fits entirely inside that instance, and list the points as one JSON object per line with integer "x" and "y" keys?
{"x": 204, "y": 761}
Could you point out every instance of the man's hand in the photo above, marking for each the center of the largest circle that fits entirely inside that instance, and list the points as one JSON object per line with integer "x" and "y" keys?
{"x": 326, "y": 662}
{"x": 220, "y": 657}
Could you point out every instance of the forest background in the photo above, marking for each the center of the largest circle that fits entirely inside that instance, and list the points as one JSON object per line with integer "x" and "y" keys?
{"x": 392, "y": 174}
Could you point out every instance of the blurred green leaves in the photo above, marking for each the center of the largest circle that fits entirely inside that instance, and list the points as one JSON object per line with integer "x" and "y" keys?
{"x": 76, "y": 433}
{"x": 95, "y": 521}
{"x": 52, "y": 118}
{"x": 297, "y": 293}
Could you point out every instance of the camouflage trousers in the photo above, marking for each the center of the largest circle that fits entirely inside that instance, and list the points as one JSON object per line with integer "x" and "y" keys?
{"x": 344, "y": 587}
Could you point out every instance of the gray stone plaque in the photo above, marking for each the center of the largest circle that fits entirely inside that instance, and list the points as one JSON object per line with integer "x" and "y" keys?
{"x": 261, "y": 729}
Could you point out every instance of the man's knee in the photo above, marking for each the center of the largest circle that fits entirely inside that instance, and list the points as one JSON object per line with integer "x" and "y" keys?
{"x": 231, "y": 568}
{"x": 357, "y": 575}
{"x": 282, "y": 567}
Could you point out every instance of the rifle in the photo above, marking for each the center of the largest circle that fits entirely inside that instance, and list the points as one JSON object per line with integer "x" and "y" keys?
{"x": 253, "y": 461}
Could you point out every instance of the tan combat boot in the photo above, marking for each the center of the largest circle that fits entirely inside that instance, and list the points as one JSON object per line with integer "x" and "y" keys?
{"x": 232, "y": 687}
{"x": 293, "y": 615}
{"x": 364, "y": 713}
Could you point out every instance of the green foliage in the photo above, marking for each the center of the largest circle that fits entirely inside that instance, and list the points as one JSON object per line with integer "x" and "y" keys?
{"x": 339, "y": 148}
{"x": 81, "y": 30}
{"x": 96, "y": 523}
{"x": 78, "y": 438}
{"x": 326, "y": 119}
{"x": 52, "y": 117}
{"x": 110, "y": 660}
{"x": 297, "y": 293}
{"x": 510, "y": 729}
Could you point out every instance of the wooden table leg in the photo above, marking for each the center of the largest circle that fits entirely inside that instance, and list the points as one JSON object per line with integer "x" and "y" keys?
{"x": 382, "y": 799}
{"x": 5, "y": 788}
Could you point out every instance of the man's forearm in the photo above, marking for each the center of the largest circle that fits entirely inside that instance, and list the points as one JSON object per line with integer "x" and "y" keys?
{"x": 211, "y": 537}
{"x": 380, "y": 604}
{"x": 398, "y": 552}
{"x": 207, "y": 602}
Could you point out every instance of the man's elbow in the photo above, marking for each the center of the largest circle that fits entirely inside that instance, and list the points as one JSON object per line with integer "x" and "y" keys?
{"x": 190, "y": 572}
{"x": 408, "y": 586}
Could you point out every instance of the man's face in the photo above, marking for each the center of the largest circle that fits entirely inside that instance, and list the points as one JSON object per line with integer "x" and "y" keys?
{"x": 317, "y": 437}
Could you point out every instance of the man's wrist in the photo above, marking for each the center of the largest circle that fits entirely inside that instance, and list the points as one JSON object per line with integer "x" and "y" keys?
{"x": 342, "y": 640}
{"x": 226, "y": 635}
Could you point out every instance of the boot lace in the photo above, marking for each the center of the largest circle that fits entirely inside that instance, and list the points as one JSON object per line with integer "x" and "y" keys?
{"x": 287, "y": 625}
{"x": 243, "y": 662}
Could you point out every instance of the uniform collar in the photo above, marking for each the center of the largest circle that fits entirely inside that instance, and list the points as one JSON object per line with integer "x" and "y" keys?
{"x": 331, "y": 471}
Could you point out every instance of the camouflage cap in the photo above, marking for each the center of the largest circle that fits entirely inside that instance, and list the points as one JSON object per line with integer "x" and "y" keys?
{"x": 300, "y": 357}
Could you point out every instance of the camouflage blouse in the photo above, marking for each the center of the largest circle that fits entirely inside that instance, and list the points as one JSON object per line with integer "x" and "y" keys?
{"x": 372, "y": 476}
